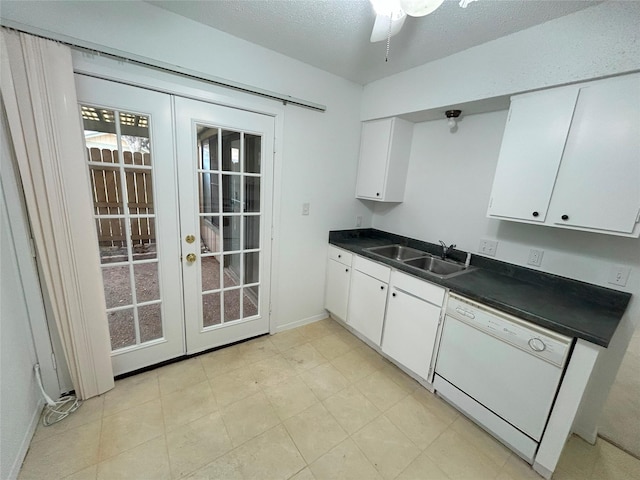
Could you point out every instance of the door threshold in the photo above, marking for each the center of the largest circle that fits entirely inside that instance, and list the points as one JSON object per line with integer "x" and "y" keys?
{"x": 181, "y": 358}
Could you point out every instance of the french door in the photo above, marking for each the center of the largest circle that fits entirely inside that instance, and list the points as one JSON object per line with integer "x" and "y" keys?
{"x": 225, "y": 212}
{"x": 182, "y": 208}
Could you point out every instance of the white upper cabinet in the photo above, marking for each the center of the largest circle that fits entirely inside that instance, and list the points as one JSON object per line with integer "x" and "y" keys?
{"x": 600, "y": 171}
{"x": 570, "y": 158}
{"x": 385, "y": 146}
{"x": 530, "y": 154}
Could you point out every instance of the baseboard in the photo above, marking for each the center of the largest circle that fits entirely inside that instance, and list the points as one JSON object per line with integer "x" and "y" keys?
{"x": 619, "y": 446}
{"x": 299, "y": 323}
{"x": 26, "y": 441}
{"x": 587, "y": 436}
{"x": 543, "y": 471}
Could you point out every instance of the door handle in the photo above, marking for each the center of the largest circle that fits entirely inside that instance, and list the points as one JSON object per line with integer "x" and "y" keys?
{"x": 191, "y": 257}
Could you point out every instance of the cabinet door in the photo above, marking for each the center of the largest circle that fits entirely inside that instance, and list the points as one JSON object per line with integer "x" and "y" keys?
{"x": 410, "y": 331}
{"x": 367, "y": 302}
{"x": 374, "y": 152}
{"x": 337, "y": 288}
{"x": 530, "y": 154}
{"x": 598, "y": 183}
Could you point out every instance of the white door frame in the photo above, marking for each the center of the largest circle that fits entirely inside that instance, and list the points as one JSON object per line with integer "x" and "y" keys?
{"x": 149, "y": 78}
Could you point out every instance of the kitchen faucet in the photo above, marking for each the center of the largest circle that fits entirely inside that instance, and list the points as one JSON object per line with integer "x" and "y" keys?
{"x": 445, "y": 249}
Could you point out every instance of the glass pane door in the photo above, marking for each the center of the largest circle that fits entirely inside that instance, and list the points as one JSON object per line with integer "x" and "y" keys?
{"x": 130, "y": 160}
{"x": 226, "y": 214}
{"x": 125, "y": 222}
{"x": 229, "y": 219}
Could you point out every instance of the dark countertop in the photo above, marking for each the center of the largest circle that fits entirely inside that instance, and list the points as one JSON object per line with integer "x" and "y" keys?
{"x": 570, "y": 307}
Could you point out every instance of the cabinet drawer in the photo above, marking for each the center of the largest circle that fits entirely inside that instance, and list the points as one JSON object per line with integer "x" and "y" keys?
{"x": 418, "y": 288}
{"x": 340, "y": 255}
{"x": 373, "y": 269}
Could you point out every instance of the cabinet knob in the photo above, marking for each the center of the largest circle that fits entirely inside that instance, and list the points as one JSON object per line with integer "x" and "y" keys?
{"x": 535, "y": 214}
{"x": 377, "y": 194}
{"x": 381, "y": 287}
{"x": 393, "y": 294}
{"x": 339, "y": 256}
{"x": 565, "y": 217}
{"x": 346, "y": 269}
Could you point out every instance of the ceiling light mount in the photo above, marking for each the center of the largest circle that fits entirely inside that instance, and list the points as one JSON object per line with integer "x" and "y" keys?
{"x": 452, "y": 116}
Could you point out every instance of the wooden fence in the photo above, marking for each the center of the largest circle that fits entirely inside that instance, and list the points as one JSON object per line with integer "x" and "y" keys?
{"x": 108, "y": 196}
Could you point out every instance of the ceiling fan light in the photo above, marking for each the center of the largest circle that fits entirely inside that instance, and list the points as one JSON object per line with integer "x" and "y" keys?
{"x": 419, "y": 8}
{"x": 388, "y": 8}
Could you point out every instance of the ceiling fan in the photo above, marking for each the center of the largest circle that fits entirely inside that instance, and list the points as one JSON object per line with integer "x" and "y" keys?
{"x": 391, "y": 14}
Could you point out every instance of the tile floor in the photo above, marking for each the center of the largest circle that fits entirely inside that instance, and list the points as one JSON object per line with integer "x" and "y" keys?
{"x": 309, "y": 403}
{"x": 624, "y": 402}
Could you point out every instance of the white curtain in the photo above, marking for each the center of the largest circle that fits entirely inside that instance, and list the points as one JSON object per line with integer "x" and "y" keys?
{"x": 38, "y": 90}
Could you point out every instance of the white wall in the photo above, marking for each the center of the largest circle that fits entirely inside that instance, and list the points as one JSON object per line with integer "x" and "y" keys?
{"x": 20, "y": 401}
{"x": 598, "y": 41}
{"x": 449, "y": 183}
{"x": 319, "y": 149}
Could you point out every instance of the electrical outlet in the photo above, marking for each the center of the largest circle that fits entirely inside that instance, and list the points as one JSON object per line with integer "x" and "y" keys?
{"x": 619, "y": 274}
{"x": 488, "y": 247}
{"x": 359, "y": 221}
{"x": 305, "y": 208}
{"x": 535, "y": 257}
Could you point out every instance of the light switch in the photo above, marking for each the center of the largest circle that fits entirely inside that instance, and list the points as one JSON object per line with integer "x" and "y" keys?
{"x": 305, "y": 208}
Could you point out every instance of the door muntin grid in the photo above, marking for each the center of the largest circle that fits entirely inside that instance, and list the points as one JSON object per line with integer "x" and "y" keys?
{"x": 119, "y": 159}
{"x": 229, "y": 214}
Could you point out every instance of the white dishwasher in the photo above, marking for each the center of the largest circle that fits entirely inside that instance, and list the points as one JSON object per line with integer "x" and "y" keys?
{"x": 501, "y": 371}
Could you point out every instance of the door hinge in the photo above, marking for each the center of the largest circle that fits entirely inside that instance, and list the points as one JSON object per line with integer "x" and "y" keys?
{"x": 32, "y": 247}
{"x": 53, "y": 361}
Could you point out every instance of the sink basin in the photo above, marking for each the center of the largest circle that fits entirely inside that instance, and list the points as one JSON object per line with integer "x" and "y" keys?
{"x": 397, "y": 252}
{"x": 437, "y": 267}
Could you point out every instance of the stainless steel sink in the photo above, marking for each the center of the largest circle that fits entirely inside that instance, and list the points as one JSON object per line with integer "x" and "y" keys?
{"x": 421, "y": 260}
{"x": 437, "y": 267}
{"x": 397, "y": 252}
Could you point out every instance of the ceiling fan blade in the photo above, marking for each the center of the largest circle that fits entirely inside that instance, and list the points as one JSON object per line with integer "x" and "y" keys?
{"x": 381, "y": 27}
{"x": 419, "y": 8}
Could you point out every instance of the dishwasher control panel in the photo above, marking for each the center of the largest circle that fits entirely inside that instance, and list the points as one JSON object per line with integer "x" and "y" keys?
{"x": 536, "y": 340}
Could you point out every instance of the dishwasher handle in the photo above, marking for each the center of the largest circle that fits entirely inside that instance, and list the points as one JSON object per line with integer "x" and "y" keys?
{"x": 465, "y": 313}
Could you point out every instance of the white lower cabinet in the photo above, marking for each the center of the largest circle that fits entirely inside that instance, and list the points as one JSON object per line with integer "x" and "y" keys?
{"x": 411, "y": 323}
{"x": 338, "y": 280}
{"x": 368, "y": 298}
{"x": 394, "y": 311}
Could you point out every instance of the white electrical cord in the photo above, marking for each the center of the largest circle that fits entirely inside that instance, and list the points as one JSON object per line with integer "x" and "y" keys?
{"x": 55, "y": 411}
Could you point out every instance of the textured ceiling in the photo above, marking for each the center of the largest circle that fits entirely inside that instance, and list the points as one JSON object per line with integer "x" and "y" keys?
{"x": 334, "y": 34}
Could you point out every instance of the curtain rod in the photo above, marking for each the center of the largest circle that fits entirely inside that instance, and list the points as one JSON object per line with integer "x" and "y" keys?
{"x": 167, "y": 67}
